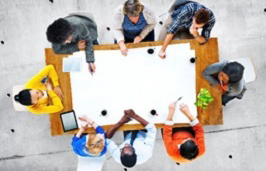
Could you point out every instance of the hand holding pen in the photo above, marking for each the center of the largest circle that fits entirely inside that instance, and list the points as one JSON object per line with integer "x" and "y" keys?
{"x": 92, "y": 68}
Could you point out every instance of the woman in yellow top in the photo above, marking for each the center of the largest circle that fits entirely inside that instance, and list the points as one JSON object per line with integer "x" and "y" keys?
{"x": 35, "y": 97}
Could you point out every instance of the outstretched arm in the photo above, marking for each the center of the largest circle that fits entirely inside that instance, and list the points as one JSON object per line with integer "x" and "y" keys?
{"x": 167, "y": 41}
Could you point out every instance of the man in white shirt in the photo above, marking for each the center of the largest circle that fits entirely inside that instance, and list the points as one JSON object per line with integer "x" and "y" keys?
{"x": 137, "y": 147}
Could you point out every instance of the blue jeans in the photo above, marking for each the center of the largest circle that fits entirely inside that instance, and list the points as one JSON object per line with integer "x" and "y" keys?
{"x": 95, "y": 42}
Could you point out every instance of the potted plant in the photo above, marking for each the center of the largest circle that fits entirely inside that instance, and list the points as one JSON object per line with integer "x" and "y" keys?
{"x": 204, "y": 98}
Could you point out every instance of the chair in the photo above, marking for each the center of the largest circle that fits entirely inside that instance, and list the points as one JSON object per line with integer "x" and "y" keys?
{"x": 168, "y": 22}
{"x": 90, "y": 163}
{"x": 17, "y": 106}
{"x": 249, "y": 72}
{"x": 177, "y": 3}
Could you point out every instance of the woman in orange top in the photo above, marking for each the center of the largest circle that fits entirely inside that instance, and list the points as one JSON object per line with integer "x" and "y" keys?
{"x": 182, "y": 146}
{"x": 36, "y": 92}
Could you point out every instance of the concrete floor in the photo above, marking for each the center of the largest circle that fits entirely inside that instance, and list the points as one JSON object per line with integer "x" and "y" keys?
{"x": 241, "y": 32}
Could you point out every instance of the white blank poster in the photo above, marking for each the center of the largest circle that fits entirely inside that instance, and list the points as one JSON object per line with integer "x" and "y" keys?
{"x": 139, "y": 81}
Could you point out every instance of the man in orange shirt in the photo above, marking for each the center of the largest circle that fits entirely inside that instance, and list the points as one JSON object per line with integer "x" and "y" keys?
{"x": 182, "y": 146}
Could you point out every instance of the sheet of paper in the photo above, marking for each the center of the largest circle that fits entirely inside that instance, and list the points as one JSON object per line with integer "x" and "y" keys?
{"x": 72, "y": 64}
{"x": 140, "y": 81}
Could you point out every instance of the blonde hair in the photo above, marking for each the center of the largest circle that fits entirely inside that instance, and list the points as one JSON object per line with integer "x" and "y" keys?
{"x": 95, "y": 144}
{"x": 132, "y": 8}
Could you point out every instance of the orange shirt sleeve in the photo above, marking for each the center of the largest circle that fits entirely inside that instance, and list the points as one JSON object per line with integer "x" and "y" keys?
{"x": 199, "y": 136}
{"x": 171, "y": 148}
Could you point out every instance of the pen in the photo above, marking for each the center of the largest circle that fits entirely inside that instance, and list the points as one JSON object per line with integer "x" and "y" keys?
{"x": 90, "y": 69}
{"x": 178, "y": 99}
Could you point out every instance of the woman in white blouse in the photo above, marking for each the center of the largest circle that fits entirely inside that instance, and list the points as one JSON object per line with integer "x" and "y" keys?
{"x": 134, "y": 22}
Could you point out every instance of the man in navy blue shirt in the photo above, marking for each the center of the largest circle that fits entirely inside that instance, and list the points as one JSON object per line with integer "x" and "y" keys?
{"x": 189, "y": 17}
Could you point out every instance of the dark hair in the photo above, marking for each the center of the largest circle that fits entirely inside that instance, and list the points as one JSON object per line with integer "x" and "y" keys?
{"x": 59, "y": 31}
{"x": 24, "y": 97}
{"x": 189, "y": 150}
{"x": 129, "y": 160}
{"x": 202, "y": 16}
{"x": 234, "y": 71}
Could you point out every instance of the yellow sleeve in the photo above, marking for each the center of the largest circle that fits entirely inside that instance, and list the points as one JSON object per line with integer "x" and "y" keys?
{"x": 49, "y": 71}
{"x": 43, "y": 109}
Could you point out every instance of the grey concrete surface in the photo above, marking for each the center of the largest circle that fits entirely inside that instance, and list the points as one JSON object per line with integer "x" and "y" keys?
{"x": 241, "y": 33}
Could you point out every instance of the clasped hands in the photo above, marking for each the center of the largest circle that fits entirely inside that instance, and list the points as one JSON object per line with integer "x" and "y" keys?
{"x": 86, "y": 122}
{"x": 128, "y": 116}
{"x": 57, "y": 89}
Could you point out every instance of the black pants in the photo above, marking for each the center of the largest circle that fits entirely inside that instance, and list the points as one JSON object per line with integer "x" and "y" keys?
{"x": 148, "y": 38}
{"x": 95, "y": 42}
{"x": 226, "y": 99}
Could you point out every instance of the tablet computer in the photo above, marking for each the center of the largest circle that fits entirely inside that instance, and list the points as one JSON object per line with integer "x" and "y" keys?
{"x": 69, "y": 121}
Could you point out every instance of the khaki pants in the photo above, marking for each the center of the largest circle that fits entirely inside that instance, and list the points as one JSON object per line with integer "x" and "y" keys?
{"x": 182, "y": 34}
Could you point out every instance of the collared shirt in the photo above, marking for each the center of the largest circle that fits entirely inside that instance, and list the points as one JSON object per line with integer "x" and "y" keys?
{"x": 79, "y": 144}
{"x": 182, "y": 18}
{"x": 143, "y": 145}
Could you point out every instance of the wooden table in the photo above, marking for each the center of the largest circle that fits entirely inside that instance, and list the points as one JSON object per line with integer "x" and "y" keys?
{"x": 206, "y": 54}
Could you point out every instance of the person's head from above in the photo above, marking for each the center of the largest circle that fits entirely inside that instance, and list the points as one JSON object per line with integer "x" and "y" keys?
{"x": 231, "y": 73}
{"x": 189, "y": 149}
{"x": 128, "y": 156}
{"x": 95, "y": 144}
{"x": 200, "y": 18}
{"x": 29, "y": 97}
{"x": 60, "y": 31}
{"x": 133, "y": 8}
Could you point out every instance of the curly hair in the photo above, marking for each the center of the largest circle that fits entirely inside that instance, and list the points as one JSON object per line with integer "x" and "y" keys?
{"x": 202, "y": 16}
{"x": 59, "y": 31}
{"x": 95, "y": 144}
{"x": 132, "y": 8}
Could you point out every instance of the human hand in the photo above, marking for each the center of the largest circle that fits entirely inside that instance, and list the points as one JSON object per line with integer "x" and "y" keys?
{"x": 184, "y": 109}
{"x": 84, "y": 118}
{"x": 193, "y": 31}
{"x": 48, "y": 85}
{"x": 123, "y": 48}
{"x": 137, "y": 39}
{"x": 172, "y": 107}
{"x": 91, "y": 67}
{"x": 83, "y": 126}
{"x": 81, "y": 44}
{"x": 125, "y": 119}
{"x": 58, "y": 91}
{"x": 130, "y": 113}
{"x": 162, "y": 54}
